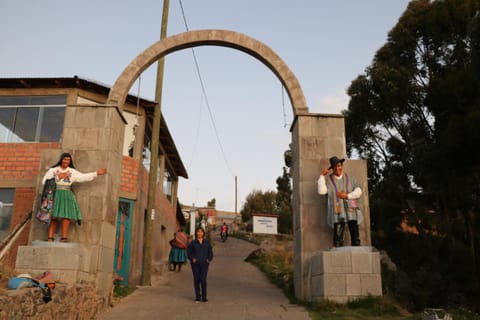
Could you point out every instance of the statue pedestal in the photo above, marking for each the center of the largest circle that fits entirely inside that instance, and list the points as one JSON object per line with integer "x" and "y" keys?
{"x": 68, "y": 262}
{"x": 344, "y": 274}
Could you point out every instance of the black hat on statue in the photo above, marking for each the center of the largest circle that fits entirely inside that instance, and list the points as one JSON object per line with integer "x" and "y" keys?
{"x": 334, "y": 161}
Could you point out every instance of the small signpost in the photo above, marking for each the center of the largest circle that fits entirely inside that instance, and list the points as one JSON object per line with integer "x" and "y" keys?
{"x": 265, "y": 223}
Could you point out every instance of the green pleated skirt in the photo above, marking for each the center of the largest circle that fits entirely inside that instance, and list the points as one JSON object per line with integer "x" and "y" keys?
{"x": 65, "y": 206}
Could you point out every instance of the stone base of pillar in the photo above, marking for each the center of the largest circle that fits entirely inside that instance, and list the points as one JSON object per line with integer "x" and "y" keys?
{"x": 344, "y": 274}
{"x": 68, "y": 262}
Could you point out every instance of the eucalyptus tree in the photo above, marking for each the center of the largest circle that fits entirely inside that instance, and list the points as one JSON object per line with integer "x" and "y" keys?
{"x": 415, "y": 115}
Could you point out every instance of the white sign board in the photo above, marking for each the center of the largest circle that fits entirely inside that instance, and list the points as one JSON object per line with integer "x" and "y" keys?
{"x": 265, "y": 224}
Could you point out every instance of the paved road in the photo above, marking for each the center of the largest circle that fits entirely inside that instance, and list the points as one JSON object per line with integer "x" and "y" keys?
{"x": 236, "y": 290}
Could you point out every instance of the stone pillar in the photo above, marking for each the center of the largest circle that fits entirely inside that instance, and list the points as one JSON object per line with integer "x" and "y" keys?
{"x": 93, "y": 135}
{"x": 316, "y": 138}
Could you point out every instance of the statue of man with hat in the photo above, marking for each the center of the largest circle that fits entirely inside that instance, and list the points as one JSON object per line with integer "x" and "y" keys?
{"x": 343, "y": 194}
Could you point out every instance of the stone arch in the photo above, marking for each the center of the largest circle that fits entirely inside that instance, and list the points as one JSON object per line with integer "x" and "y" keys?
{"x": 314, "y": 138}
{"x": 223, "y": 38}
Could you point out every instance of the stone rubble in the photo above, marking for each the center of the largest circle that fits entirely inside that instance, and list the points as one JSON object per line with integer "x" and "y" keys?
{"x": 68, "y": 302}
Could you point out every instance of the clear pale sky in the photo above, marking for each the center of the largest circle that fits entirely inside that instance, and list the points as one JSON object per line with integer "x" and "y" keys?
{"x": 326, "y": 44}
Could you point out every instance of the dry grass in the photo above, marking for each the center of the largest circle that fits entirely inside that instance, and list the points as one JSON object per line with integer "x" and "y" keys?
{"x": 276, "y": 261}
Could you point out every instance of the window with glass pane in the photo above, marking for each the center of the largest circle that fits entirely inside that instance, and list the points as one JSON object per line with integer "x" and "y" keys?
{"x": 25, "y": 123}
{"x": 32, "y": 118}
{"x": 6, "y": 123}
{"x": 6, "y": 209}
{"x": 52, "y": 124}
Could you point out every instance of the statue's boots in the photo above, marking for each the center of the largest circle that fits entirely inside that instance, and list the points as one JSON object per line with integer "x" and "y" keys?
{"x": 338, "y": 234}
{"x": 354, "y": 233}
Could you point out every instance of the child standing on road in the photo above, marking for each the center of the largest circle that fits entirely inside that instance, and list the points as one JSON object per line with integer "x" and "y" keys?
{"x": 200, "y": 254}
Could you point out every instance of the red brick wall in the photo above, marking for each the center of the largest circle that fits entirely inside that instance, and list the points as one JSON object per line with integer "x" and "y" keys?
{"x": 19, "y": 165}
{"x": 144, "y": 181}
{"x": 20, "y": 161}
{"x": 129, "y": 178}
{"x": 162, "y": 204}
{"x": 131, "y": 170}
{"x": 165, "y": 207}
{"x": 22, "y": 205}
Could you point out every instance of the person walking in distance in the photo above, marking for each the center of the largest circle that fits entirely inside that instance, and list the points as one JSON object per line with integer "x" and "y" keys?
{"x": 343, "y": 194}
{"x": 200, "y": 254}
{"x": 65, "y": 206}
{"x": 224, "y": 232}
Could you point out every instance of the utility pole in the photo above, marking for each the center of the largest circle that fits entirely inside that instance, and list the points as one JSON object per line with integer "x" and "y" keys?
{"x": 235, "y": 196}
{"x": 152, "y": 181}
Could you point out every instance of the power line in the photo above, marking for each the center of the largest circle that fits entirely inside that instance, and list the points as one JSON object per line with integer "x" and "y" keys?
{"x": 205, "y": 96}
{"x": 197, "y": 135}
{"x": 283, "y": 107}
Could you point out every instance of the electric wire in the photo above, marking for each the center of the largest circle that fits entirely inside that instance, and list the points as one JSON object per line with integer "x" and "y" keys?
{"x": 206, "y": 98}
{"x": 138, "y": 99}
{"x": 136, "y": 125}
{"x": 197, "y": 135}
{"x": 283, "y": 107}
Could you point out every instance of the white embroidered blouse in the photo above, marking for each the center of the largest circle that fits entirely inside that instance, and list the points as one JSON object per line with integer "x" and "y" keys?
{"x": 73, "y": 176}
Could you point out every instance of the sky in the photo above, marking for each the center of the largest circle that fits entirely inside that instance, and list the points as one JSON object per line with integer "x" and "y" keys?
{"x": 326, "y": 44}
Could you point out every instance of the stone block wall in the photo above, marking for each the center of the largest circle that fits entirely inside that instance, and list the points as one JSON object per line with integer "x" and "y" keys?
{"x": 341, "y": 276}
{"x": 94, "y": 137}
{"x": 69, "y": 263}
{"x": 49, "y": 157}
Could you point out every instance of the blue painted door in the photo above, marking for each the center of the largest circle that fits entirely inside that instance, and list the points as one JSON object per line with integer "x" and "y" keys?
{"x": 123, "y": 240}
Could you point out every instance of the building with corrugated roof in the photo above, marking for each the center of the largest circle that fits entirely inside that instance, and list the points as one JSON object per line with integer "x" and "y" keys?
{"x": 34, "y": 115}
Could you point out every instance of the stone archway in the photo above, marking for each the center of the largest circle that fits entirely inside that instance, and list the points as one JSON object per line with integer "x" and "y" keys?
{"x": 223, "y": 38}
{"x": 315, "y": 137}
{"x": 268, "y": 57}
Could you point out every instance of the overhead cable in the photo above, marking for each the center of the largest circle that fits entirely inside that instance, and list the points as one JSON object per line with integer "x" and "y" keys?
{"x": 197, "y": 135}
{"x": 283, "y": 107}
